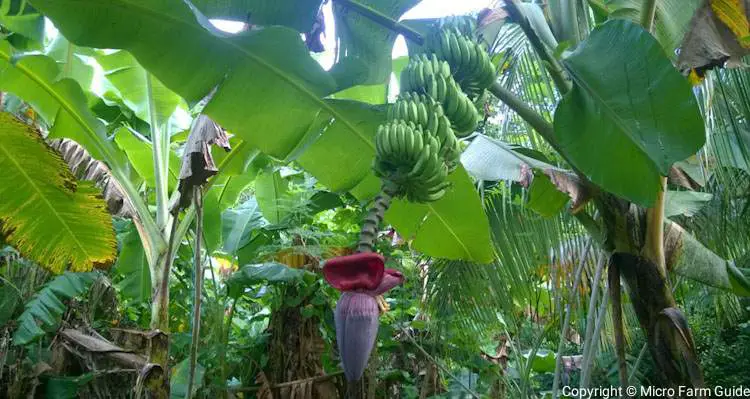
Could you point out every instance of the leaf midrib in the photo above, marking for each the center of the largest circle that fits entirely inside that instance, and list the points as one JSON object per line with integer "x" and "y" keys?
{"x": 293, "y": 82}
{"x": 45, "y": 200}
{"x": 276, "y": 181}
{"x": 450, "y": 230}
{"x": 59, "y": 99}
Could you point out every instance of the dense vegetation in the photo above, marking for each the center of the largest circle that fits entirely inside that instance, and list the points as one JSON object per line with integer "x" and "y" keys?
{"x": 563, "y": 184}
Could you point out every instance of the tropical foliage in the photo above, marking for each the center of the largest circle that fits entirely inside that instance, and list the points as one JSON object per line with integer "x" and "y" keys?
{"x": 170, "y": 192}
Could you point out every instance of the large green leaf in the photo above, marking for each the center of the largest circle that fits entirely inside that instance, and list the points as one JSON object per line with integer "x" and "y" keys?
{"x": 371, "y": 94}
{"x": 270, "y": 93}
{"x": 364, "y": 50}
{"x": 271, "y": 89}
{"x": 71, "y": 59}
{"x": 297, "y": 14}
{"x": 44, "y": 311}
{"x": 542, "y": 362}
{"x": 239, "y": 223}
{"x": 212, "y": 220}
{"x": 544, "y": 198}
{"x": 232, "y": 188}
{"x": 133, "y": 266}
{"x": 61, "y": 102}
{"x": 243, "y": 159}
{"x": 689, "y": 258}
{"x": 671, "y": 20}
{"x": 686, "y": 203}
{"x": 139, "y": 153}
{"x": 454, "y": 227}
{"x": 224, "y": 193}
{"x": 19, "y": 17}
{"x": 10, "y": 298}
{"x": 492, "y": 160}
{"x": 323, "y": 201}
{"x": 46, "y": 214}
{"x": 632, "y": 107}
{"x": 341, "y": 160}
{"x": 269, "y": 81}
{"x": 272, "y": 192}
{"x": 266, "y": 272}
{"x": 131, "y": 82}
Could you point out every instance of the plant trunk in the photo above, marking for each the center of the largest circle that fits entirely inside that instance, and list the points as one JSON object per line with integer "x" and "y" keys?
{"x": 665, "y": 327}
{"x": 295, "y": 353}
{"x": 158, "y": 352}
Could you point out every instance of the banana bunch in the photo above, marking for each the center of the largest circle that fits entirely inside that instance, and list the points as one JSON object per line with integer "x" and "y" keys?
{"x": 423, "y": 111}
{"x": 418, "y": 147}
{"x": 410, "y": 159}
{"x": 429, "y": 76}
{"x": 471, "y": 66}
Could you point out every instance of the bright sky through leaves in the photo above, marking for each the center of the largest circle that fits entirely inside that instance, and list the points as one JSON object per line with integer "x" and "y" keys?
{"x": 425, "y": 9}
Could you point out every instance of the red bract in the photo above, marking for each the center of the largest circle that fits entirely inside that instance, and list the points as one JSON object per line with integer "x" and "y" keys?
{"x": 361, "y": 271}
{"x": 391, "y": 278}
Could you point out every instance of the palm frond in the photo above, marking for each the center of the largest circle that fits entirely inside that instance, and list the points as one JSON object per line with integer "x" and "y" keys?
{"x": 726, "y": 161}
{"x": 529, "y": 250}
{"x": 521, "y": 71}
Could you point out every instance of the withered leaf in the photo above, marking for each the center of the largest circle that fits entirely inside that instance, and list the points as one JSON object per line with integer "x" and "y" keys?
{"x": 715, "y": 37}
{"x": 570, "y": 184}
{"x": 86, "y": 167}
{"x": 197, "y": 162}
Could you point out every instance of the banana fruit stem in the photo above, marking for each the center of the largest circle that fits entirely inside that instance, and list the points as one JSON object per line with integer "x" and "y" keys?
{"x": 369, "y": 232}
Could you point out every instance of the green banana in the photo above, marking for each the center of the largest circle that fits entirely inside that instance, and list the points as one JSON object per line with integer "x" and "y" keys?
{"x": 419, "y": 166}
{"x": 471, "y": 56}
{"x": 385, "y": 143}
{"x": 455, "y": 51}
{"x": 413, "y": 111}
{"x": 463, "y": 46}
{"x": 409, "y": 145}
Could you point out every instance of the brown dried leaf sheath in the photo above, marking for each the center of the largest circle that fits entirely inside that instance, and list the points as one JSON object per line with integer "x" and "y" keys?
{"x": 85, "y": 167}
{"x": 197, "y": 162}
{"x": 709, "y": 42}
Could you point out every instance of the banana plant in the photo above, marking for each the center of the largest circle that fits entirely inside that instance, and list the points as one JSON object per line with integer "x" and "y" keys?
{"x": 311, "y": 119}
{"x": 160, "y": 66}
{"x": 128, "y": 168}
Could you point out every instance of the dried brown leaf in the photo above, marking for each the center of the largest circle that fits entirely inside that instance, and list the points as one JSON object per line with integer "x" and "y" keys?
{"x": 86, "y": 167}
{"x": 710, "y": 42}
{"x": 678, "y": 176}
{"x": 197, "y": 162}
{"x": 570, "y": 184}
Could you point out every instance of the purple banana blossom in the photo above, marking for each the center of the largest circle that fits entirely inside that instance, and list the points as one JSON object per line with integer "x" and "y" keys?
{"x": 360, "y": 277}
